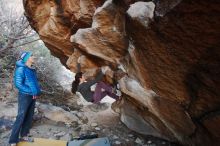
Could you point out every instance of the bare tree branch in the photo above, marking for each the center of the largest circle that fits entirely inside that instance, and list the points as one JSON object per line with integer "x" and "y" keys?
{"x": 14, "y": 28}
{"x": 26, "y": 43}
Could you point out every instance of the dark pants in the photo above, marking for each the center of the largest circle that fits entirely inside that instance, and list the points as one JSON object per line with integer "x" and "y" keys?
{"x": 99, "y": 95}
{"x": 24, "y": 118}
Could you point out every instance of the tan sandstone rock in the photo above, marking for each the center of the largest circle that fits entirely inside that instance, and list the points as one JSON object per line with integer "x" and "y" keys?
{"x": 168, "y": 48}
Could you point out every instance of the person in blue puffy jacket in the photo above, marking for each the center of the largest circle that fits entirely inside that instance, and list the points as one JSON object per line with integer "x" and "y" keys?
{"x": 25, "y": 80}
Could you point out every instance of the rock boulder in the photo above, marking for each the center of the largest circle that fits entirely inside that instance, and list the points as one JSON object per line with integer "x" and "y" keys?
{"x": 169, "y": 50}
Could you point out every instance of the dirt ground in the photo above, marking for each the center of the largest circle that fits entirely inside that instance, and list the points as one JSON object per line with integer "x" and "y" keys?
{"x": 101, "y": 120}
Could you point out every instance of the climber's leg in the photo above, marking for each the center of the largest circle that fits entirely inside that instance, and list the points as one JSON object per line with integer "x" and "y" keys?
{"x": 98, "y": 94}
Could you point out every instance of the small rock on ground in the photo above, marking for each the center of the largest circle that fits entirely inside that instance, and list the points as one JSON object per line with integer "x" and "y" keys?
{"x": 97, "y": 128}
{"x": 138, "y": 141}
{"x": 94, "y": 124}
{"x": 117, "y": 142}
{"x": 115, "y": 137}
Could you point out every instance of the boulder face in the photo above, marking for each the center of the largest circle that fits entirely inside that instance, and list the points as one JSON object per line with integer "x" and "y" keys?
{"x": 169, "y": 50}
{"x": 55, "y": 21}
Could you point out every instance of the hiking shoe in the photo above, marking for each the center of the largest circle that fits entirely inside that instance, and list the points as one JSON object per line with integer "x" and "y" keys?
{"x": 27, "y": 139}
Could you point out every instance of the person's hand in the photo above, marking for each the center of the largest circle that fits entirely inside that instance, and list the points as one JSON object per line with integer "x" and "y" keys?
{"x": 79, "y": 60}
{"x": 35, "y": 97}
{"x": 110, "y": 73}
{"x": 104, "y": 69}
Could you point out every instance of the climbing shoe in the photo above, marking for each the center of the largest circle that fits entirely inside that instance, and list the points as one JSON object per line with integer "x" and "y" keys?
{"x": 118, "y": 74}
{"x": 116, "y": 90}
{"x": 118, "y": 93}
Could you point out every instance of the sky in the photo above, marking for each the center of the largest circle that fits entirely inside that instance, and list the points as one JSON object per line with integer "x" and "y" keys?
{"x": 15, "y": 5}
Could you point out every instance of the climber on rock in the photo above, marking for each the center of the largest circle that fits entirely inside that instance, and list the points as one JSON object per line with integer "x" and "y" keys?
{"x": 101, "y": 90}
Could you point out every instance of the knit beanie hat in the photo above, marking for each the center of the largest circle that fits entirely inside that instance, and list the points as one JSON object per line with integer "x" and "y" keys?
{"x": 25, "y": 56}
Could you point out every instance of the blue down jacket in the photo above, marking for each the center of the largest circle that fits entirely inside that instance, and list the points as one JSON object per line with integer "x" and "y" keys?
{"x": 25, "y": 79}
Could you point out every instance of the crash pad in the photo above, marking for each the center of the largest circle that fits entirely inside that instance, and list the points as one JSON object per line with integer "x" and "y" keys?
{"x": 90, "y": 142}
{"x": 43, "y": 142}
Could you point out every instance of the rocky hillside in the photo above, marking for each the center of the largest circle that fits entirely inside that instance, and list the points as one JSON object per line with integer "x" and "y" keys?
{"x": 168, "y": 48}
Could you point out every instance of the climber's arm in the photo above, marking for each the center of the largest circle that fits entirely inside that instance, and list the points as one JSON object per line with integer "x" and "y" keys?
{"x": 98, "y": 78}
{"x": 78, "y": 67}
{"x": 79, "y": 61}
